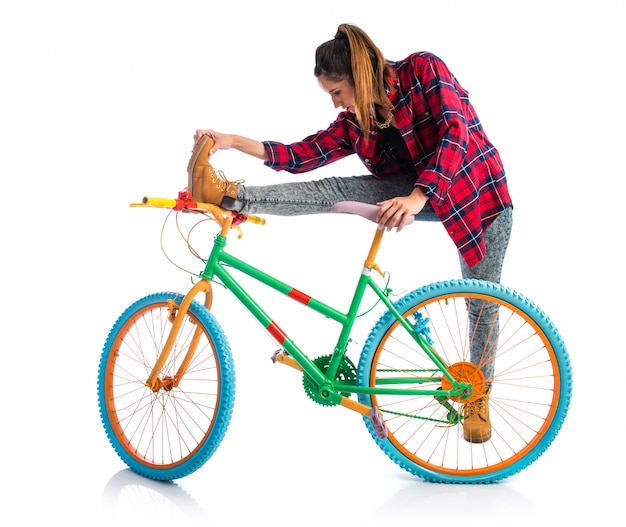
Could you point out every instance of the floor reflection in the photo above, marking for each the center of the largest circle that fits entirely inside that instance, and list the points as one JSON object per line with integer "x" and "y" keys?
{"x": 128, "y": 495}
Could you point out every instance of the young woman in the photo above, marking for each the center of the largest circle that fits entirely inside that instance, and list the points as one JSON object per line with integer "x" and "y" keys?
{"x": 412, "y": 125}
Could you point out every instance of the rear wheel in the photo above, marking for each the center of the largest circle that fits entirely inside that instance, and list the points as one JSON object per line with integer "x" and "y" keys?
{"x": 168, "y": 433}
{"x": 489, "y": 335}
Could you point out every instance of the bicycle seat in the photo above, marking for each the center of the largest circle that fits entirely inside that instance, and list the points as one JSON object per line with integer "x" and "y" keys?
{"x": 365, "y": 210}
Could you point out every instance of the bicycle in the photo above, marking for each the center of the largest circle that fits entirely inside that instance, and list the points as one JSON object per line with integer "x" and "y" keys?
{"x": 166, "y": 375}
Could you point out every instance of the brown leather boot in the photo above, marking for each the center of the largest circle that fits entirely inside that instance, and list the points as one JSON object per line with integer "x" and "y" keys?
{"x": 203, "y": 183}
{"x": 476, "y": 423}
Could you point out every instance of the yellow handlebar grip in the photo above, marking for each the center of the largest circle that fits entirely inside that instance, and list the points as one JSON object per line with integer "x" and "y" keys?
{"x": 160, "y": 202}
{"x": 256, "y": 219}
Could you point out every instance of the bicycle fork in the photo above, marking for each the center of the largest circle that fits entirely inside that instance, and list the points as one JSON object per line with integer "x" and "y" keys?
{"x": 177, "y": 316}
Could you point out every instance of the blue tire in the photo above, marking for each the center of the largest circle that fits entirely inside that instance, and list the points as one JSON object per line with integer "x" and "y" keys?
{"x": 168, "y": 433}
{"x": 530, "y": 381}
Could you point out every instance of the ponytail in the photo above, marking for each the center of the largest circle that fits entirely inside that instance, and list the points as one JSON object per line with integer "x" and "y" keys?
{"x": 352, "y": 55}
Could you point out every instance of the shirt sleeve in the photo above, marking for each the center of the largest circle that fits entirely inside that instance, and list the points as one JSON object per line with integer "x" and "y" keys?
{"x": 314, "y": 151}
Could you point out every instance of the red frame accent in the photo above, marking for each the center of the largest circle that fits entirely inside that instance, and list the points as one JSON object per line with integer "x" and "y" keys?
{"x": 276, "y": 332}
{"x": 299, "y": 296}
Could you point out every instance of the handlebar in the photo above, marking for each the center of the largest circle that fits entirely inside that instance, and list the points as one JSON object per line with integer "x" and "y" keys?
{"x": 186, "y": 204}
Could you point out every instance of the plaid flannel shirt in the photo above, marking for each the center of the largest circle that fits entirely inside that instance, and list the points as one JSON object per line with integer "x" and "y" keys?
{"x": 452, "y": 159}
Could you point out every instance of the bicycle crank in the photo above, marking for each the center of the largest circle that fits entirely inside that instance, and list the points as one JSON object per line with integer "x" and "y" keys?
{"x": 345, "y": 372}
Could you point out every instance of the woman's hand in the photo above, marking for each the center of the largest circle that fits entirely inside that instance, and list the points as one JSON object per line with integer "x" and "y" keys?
{"x": 238, "y": 142}
{"x": 221, "y": 141}
{"x": 396, "y": 212}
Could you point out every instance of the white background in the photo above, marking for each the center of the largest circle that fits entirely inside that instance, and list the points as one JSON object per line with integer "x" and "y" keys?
{"x": 99, "y": 101}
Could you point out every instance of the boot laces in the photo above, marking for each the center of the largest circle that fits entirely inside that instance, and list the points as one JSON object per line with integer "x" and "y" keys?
{"x": 477, "y": 407}
{"x": 225, "y": 183}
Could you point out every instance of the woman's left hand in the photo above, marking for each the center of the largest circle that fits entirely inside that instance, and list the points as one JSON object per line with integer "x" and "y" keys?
{"x": 396, "y": 212}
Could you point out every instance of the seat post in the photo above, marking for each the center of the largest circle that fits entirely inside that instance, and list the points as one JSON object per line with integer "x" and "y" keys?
{"x": 370, "y": 262}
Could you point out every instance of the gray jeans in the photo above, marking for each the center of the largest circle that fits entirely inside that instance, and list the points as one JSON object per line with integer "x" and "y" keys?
{"x": 316, "y": 197}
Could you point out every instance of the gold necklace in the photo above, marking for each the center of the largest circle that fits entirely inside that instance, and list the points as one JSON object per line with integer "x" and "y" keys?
{"x": 386, "y": 123}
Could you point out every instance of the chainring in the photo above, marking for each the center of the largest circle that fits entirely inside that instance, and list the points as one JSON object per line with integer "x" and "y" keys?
{"x": 345, "y": 372}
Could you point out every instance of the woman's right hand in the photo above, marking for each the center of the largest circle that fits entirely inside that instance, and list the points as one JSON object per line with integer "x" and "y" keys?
{"x": 221, "y": 141}
{"x": 238, "y": 142}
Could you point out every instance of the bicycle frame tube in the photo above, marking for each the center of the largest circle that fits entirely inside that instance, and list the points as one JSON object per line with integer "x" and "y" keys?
{"x": 216, "y": 267}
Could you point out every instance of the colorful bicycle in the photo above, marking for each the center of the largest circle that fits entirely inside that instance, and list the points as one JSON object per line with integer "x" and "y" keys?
{"x": 166, "y": 381}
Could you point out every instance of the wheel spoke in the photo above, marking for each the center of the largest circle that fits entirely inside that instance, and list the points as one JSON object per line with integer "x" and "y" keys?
{"x": 159, "y": 433}
{"x": 487, "y": 339}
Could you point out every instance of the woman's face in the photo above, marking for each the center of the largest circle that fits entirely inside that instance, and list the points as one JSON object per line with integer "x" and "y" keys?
{"x": 342, "y": 93}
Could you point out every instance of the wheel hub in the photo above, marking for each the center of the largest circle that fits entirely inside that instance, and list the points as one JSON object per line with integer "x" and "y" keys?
{"x": 468, "y": 373}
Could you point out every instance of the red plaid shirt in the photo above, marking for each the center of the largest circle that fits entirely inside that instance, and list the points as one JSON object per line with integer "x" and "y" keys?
{"x": 451, "y": 157}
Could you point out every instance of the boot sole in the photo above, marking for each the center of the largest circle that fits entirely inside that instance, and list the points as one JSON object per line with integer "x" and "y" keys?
{"x": 196, "y": 153}
{"x": 477, "y": 439}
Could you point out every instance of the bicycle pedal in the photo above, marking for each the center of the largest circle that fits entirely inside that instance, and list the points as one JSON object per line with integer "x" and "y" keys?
{"x": 282, "y": 357}
{"x": 278, "y": 354}
{"x": 377, "y": 422}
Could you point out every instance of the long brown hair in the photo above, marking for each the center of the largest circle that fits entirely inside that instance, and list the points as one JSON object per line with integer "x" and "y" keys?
{"x": 353, "y": 56}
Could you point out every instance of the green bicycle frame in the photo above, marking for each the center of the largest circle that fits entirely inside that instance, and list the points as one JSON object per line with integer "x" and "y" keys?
{"x": 329, "y": 388}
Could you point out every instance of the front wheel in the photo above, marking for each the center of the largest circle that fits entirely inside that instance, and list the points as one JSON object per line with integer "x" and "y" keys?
{"x": 490, "y": 336}
{"x": 168, "y": 433}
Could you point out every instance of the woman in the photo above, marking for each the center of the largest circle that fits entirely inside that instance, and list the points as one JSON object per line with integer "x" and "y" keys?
{"x": 414, "y": 128}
